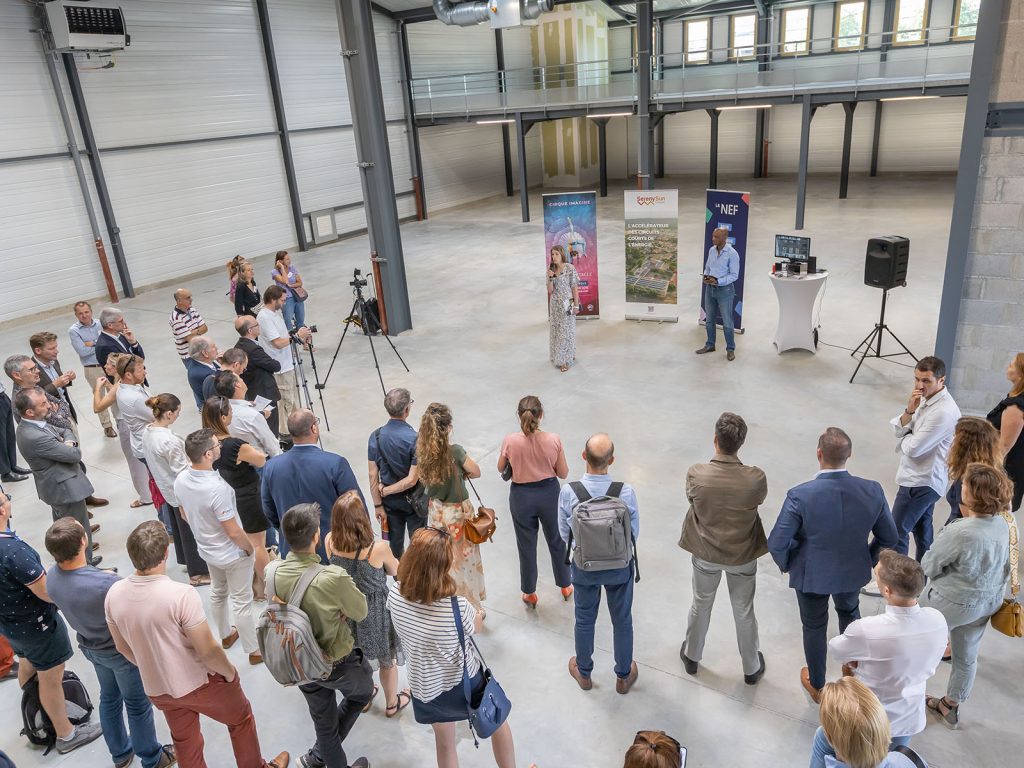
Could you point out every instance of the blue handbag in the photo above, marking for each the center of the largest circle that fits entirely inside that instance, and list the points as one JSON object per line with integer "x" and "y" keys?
{"x": 493, "y": 706}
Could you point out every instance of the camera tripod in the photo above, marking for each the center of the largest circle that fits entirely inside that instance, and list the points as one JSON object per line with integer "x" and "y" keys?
{"x": 360, "y": 314}
{"x": 301, "y": 383}
{"x": 873, "y": 343}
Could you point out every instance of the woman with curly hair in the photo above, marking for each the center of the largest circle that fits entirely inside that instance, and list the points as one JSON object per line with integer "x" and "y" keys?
{"x": 974, "y": 441}
{"x": 443, "y": 467}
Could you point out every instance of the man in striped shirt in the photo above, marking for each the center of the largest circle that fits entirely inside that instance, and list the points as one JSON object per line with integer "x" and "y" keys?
{"x": 185, "y": 323}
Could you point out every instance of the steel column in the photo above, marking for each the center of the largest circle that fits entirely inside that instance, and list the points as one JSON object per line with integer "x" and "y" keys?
{"x": 644, "y": 34}
{"x": 888, "y": 29}
{"x": 412, "y": 130}
{"x": 602, "y": 152}
{"x": 805, "y": 140}
{"x": 986, "y": 47}
{"x": 362, "y": 75}
{"x": 844, "y": 170}
{"x": 282, "y": 124}
{"x": 713, "y": 163}
{"x": 759, "y": 126}
{"x": 506, "y": 139}
{"x": 99, "y": 180}
{"x": 524, "y": 187}
{"x": 763, "y": 42}
{"x": 659, "y": 159}
{"x": 876, "y": 138}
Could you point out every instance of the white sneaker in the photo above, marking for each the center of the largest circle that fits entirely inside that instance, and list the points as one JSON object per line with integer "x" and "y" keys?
{"x": 871, "y": 589}
{"x": 82, "y": 735}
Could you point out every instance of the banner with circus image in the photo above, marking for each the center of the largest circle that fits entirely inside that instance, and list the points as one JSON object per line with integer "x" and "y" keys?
{"x": 570, "y": 223}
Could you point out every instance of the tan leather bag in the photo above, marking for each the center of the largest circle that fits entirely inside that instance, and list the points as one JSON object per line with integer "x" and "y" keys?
{"x": 1009, "y": 619}
{"x": 479, "y": 529}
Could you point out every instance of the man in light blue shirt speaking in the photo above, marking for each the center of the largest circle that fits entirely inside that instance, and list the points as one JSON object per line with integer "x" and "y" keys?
{"x": 618, "y": 582}
{"x": 721, "y": 271}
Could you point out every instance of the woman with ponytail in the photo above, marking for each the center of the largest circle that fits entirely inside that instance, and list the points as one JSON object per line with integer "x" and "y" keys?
{"x": 443, "y": 467}
{"x": 537, "y": 460}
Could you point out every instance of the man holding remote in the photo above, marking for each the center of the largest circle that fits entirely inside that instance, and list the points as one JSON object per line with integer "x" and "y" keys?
{"x": 721, "y": 271}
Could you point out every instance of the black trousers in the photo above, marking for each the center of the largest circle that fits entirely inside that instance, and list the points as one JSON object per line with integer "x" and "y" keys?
{"x": 8, "y": 446}
{"x": 353, "y": 678}
{"x": 814, "y": 618}
{"x": 79, "y": 511}
{"x": 185, "y": 550}
{"x": 401, "y": 520}
{"x": 535, "y": 506}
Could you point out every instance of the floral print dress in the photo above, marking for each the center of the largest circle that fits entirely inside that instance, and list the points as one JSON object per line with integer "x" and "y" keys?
{"x": 562, "y": 338}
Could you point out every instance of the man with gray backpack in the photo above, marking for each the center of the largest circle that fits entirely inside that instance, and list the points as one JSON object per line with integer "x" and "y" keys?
{"x": 303, "y": 598}
{"x": 599, "y": 521}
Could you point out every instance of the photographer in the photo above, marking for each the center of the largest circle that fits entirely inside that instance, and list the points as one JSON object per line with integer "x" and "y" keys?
{"x": 274, "y": 338}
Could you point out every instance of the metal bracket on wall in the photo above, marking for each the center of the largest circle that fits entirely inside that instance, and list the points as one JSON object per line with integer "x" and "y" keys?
{"x": 364, "y": 165}
{"x": 1005, "y": 119}
{"x": 348, "y": 54}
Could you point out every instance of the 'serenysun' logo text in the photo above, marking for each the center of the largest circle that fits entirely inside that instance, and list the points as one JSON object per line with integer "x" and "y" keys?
{"x": 650, "y": 200}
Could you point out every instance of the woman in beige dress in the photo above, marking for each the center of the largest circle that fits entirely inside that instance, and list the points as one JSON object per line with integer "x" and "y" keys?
{"x": 443, "y": 467}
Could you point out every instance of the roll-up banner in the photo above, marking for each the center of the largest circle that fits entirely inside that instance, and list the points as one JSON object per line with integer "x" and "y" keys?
{"x": 652, "y": 255}
{"x": 570, "y": 221}
{"x": 729, "y": 211}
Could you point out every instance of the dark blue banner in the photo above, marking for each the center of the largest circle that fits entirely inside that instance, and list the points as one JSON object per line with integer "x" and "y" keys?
{"x": 729, "y": 211}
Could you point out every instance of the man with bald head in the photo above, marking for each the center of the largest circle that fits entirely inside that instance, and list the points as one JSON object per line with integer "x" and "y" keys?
{"x": 185, "y": 323}
{"x": 305, "y": 475}
{"x": 721, "y": 271}
{"x": 599, "y": 454}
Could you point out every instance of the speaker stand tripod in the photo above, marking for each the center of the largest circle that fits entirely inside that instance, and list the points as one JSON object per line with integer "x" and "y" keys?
{"x": 872, "y": 344}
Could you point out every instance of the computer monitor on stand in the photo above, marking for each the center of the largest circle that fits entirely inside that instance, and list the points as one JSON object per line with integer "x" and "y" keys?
{"x": 793, "y": 248}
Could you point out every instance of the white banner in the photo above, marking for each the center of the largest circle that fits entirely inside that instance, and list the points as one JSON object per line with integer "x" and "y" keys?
{"x": 652, "y": 254}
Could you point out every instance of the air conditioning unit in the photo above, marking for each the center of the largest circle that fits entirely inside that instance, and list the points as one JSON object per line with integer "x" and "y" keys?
{"x": 84, "y": 26}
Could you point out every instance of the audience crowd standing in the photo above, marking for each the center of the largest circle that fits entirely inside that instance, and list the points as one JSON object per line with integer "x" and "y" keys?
{"x": 227, "y": 491}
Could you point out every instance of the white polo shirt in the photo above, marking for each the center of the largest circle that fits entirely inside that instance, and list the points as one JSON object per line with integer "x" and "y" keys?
{"x": 207, "y": 501}
{"x": 272, "y": 326}
{"x": 131, "y": 400}
{"x": 896, "y": 654}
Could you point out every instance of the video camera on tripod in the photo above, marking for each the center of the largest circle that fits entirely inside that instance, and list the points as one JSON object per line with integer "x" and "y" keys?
{"x": 293, "y": 335}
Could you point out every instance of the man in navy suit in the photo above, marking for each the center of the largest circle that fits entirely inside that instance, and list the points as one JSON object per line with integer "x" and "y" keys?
{"x": 201, "y": 365}
{"x": 115, "y": 337}
{"x": 821, "y": 541}
{"x": 304, "y": 475}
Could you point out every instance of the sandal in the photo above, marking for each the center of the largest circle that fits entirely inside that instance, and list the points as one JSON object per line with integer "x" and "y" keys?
{"x": 139, "y": 503}
{"x": 370, "y": 702}
{"x": 402, "y": 700}
{"x": 948, "y": 713}
{"x": 199, "y": 581}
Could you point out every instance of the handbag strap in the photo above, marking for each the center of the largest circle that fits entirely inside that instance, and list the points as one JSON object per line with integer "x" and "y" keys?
{"x": 1014, "y": 553}
{"x": 467, "y": 478}
{"x": 457, "y": 614}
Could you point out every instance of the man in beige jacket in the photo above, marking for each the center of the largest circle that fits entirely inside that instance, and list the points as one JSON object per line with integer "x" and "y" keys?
{"x": 723, "y": 532}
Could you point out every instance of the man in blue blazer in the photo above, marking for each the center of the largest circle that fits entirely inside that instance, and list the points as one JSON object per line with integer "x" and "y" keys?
{"x": 821, "y": 541}
{"x": 304, "y": 475}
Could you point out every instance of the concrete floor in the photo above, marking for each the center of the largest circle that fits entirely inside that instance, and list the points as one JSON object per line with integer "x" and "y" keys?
{"x": 480, "y": 343}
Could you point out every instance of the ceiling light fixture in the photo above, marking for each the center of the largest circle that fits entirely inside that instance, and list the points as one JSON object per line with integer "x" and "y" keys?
{"x": 493, "y": 122}
{"x": 744, "y": 106}
{"x": 908, "y": 98}
{"x": 612, "y": 114}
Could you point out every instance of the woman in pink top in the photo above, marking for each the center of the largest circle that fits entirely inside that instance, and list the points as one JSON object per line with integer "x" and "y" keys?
{"x": 537, "y": 461}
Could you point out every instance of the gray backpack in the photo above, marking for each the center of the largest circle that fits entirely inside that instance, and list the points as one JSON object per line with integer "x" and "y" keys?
{"x": 289, "y": 647}
{"x": 601, "y": 529}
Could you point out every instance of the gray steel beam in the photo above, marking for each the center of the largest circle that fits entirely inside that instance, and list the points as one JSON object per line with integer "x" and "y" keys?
{"x": 876, "y": 138}
{"x": 763, "y": 41}
{"x": 644, "y": 35}
{"x": 602, "y": 152}
{"x": 805, "y": 140}
{"x": 362, "y": 75}
{"x": 713, "y": 160}
{"x": 99, "y": 180}
{"x": 659, "y": 158}
{"x": 506, "y": 138}
{"x": 282, "y": 124}
{"x": 32, "y": 158}
{"x": 759, "y": 128}
{"x": 524, "y": 188}
{"x": 844, "y": 169}
{"x": 412, "y": 129}
{"x": 986, "y": 48}
{"x": 888, "y": 29}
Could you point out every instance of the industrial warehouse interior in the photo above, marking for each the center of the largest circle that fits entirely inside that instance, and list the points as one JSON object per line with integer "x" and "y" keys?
{"x": 469, "y": 203}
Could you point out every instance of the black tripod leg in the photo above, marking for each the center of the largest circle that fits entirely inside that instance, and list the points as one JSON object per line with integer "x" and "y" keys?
{"x": 867, "y": 338}
{"x": 377, "y": 364}
{"x": 342, "y": 339}
{"x": 897, "y": 338}
{"x": 319, "y": 387}
{"x": 388, "y": 339}
{"x": 867, "y": 351}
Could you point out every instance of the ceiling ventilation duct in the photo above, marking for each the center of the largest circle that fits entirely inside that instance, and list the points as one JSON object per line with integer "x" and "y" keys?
{"x": 500, "y": 13}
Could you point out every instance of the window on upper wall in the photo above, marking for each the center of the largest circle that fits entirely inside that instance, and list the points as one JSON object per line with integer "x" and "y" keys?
{"x": 743, "y": 36}
{"x": 697, "y": 36}
{"x": 965, "y": 20}
{"x": 796, "y": 30}
{"x": 911, "y": 16}
{"x": 849, "y": 27}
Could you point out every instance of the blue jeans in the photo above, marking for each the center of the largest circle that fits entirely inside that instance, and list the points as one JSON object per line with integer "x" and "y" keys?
{"x": 720, "y": 298}
{"x": 294, "y": 312}
{"x": 814, "y": 618}
{"x": 587, "y": 597}
{"x": 912, "y": 510}
{"x": 121, "y": 686}
{"x": 821, "y": 747}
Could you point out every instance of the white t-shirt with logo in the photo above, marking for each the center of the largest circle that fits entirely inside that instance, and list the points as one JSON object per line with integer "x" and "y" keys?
{"x": 207, "y": 500}
{"x": 272, "y": 327}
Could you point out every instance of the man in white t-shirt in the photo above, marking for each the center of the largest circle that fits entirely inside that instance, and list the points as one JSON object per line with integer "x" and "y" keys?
{"x": 896, "y": 652}
{"x": 207, "y": 503}
{"x": 275, "y": 340}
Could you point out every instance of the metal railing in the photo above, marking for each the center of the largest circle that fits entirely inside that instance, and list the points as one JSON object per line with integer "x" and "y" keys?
{"x": 717, "y": 74}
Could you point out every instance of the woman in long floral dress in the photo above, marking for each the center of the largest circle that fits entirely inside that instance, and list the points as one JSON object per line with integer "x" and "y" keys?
{"x": 443, "y": 467}
{"x": 563, "y": 304}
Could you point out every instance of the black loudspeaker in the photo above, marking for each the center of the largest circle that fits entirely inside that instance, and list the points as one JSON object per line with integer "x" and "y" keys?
{"x": 885, "y": 265}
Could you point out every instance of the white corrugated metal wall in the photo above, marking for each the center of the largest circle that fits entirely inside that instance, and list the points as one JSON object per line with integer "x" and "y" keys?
{"x": 195, "y": 70}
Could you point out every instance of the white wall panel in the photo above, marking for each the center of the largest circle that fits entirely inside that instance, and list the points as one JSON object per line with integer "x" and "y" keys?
{"x": 185, "y": 209}
{"x": 688, "y": 137}
{"x": 620, "y": 46}
{"x": 518, "y": 44}
{"x": 195, "y": 69}
{"x": 436, "y": 49}
{"x": 921, "y": 135}
{"x": 48, "y": 253}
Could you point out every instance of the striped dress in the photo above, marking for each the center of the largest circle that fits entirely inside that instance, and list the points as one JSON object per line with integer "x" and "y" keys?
{"x": 431, "y": 643}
